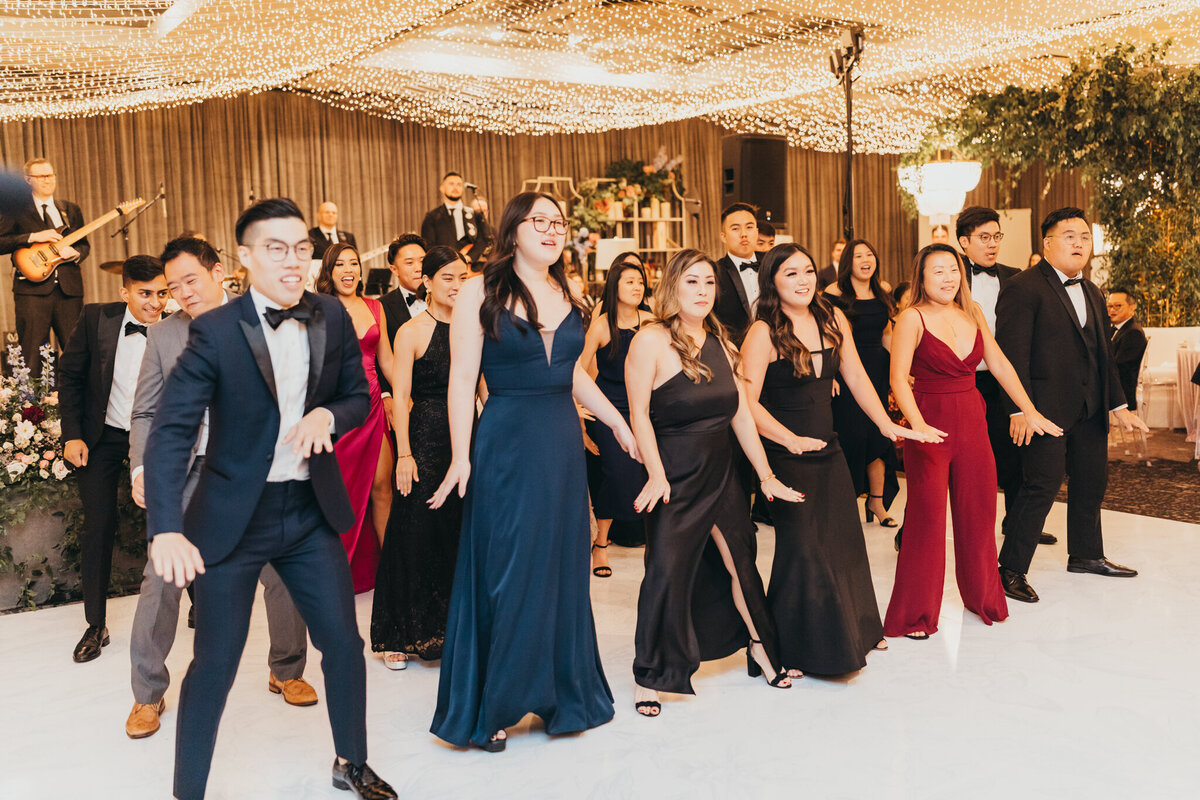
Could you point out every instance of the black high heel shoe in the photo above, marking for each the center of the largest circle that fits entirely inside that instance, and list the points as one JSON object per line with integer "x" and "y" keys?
{"x": 754, "y": 670}
{"x": 601, "y": 572}
{"x": 884, "y": 522}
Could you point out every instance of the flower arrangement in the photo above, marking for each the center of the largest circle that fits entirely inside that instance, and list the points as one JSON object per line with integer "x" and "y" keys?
{"x": 626, "y": 184}
{"x": 30, "y": 431}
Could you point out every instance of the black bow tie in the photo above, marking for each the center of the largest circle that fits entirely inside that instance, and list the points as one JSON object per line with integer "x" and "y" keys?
{"x": 976, "y": 269}
{"x": 132, "y": 328}
{"x": 745, "y": 265}
{"x": 299, "y": 312}
{"x": 1072, "y": 281}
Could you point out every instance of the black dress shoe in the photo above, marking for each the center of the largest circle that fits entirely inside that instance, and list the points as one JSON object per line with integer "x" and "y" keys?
{"x": 1047, "y": 538}
{"x": 95, "y": 637}
{"x": 1016, "y": 587}
{"x": 361, "y": 780}
{"x": 1099, "y": 566}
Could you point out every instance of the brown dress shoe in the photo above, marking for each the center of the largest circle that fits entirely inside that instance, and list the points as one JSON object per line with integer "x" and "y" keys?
{"x": 143, "y": 720}
{"x": 296, "y": 692}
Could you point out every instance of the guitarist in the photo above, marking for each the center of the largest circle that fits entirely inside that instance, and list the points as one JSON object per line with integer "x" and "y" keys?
{"x": 56, "y": 302}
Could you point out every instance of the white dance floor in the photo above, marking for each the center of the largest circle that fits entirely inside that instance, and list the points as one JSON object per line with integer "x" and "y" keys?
{"x": 1091, "y": 693}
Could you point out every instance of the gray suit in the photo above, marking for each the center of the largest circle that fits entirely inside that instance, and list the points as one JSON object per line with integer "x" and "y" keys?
{"x": 157, "y": 615}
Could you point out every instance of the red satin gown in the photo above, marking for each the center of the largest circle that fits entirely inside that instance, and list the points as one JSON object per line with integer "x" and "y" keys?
{"x": 358, "y": 456}
{"x": 963, "y": 466}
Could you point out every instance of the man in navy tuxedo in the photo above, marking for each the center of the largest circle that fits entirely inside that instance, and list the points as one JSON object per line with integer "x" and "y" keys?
{"x": 280, "y": 372}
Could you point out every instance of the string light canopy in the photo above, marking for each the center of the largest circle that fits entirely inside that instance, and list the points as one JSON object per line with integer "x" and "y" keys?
{"x": 566, "y": 66}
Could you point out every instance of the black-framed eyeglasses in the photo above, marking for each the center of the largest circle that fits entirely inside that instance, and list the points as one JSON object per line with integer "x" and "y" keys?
{"x": 544, "y": 224}
{"x": 987, "y": 238}
{"x": 278, "y": 251}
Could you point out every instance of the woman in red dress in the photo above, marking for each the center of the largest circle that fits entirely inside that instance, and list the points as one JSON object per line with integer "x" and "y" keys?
{"x": 938, "y": 342}
{"x": 364, "y": 454}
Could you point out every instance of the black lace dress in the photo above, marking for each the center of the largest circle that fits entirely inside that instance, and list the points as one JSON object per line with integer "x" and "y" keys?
{"x": 416, "y": 568}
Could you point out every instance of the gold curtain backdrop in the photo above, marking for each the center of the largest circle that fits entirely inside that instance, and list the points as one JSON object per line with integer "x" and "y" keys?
{"x": 383, "y": 175}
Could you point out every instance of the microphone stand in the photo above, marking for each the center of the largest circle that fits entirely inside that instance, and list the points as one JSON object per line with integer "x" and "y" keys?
{"x": 124, "y": 229}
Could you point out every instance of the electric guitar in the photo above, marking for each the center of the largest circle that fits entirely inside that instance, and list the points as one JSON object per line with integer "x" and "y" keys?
{"x": 37, "y": 262}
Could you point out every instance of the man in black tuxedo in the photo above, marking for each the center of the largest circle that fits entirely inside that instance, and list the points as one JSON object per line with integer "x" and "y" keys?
{"x": 828, "y": 274}
{"x": 54, "y": 303}
{"x": 1128, "y": 341}
{"x": 98, "y": 376}
{"x": 979, "y": 237}
{"x": 404, "y": 256}
{"x": 326, "y": 231}
{"x": 280, "y": 372}
{"x": 737, "y": 271}
{"x": 1051, "y": 323}
{"x": 454, "y": 224}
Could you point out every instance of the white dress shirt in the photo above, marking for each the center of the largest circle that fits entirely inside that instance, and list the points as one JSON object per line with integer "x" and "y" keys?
{"x": 51, "y": 211}
{"x": 127, "y": 364}
{"x": 415, "y": 304}
{"x": 985, "y": 290}
{"x": 456, "y": 213}
{"x": 1078, "y": 299}
{"x": 288, "y": 346}
{"x": 749, "y": 279}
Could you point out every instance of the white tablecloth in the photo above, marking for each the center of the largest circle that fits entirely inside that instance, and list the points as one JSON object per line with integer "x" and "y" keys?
{"x": 1189, "y": 393}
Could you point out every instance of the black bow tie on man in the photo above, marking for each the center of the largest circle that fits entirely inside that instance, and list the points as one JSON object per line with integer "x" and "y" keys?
{"x": 132, "y": 328}
{"x": 1072, "y": 281}
{"x": 745, "y": 265}
{"x": 976, "y": 269}
{"x": 299, "y": 312}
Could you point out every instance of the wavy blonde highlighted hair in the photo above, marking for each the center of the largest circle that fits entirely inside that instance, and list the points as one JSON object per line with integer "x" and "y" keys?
{"x": 666, "y": 304}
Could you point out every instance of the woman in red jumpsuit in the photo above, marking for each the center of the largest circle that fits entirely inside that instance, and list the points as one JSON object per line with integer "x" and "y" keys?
{"x": 938, "y": 342}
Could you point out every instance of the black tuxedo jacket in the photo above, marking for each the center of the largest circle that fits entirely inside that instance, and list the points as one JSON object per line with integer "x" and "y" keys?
{"x": 227, "y": 369}
{"x": 732, "y": 307}
{"x": 85, "y": 371}
{"x": 14, "y": 234}
{"x": 1003, "y": 273}
{"x": 438, "y": 228}
{"x": 1128, "y": 348}
{"x": 1039, "y": 332}
{"x": 320, "y": 243}
{"x": 395, "y": 314}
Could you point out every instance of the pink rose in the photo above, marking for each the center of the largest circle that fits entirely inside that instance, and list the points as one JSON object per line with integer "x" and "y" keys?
{"x": 48, "y": 455}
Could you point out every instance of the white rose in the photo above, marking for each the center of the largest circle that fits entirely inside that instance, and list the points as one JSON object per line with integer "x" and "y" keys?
{"x": 43, "y": 473}
{"x": 59, "y": 469}
{"x": 8, "y": 445}
{"x": 15, "y": 469}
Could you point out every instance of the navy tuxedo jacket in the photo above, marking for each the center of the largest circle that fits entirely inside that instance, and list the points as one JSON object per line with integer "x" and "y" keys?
{"x": 226, "y": 368}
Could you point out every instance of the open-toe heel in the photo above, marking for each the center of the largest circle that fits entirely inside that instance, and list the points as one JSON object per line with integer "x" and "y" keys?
{"x": 884, "y": 522}
{"x": 754, "y": 670}
{"x": 920, "y": 636}
{"x": 601, "y": 572}
{"x": 494, "y": 745}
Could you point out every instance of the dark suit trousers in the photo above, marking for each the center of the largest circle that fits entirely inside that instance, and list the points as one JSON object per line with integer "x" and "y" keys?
{"x": 37, "y": 315}
{"x": 1007, "y": 454}
{"x": 1081, "y": 455}
{"x": 98, "y": 491}
{"x": 288, "y": 531}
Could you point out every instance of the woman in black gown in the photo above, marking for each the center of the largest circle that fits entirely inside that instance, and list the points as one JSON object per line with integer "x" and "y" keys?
{"x": 702, "y": 597}
{"x": 866, "y": 301}
{"x": 820, "y": 593}
{"x": 520, "y": 637}
{"x": 622, "y": 312}
{"x": 416, "y": 568}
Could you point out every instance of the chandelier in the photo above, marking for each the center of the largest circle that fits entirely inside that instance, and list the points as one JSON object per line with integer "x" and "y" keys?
{"x": 940, "y": 187}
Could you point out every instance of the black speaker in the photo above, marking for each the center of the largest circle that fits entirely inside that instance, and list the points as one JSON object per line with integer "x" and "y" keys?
{"x": 754, "y": 170}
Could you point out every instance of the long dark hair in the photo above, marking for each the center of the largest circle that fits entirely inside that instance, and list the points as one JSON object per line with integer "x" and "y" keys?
{"x": 962, "y": 299}
{"x": 438, "y": 257}
{"x": 770, "y": 310}
{"x": 666, "y": 303}
{"x": 325, "y": 276}
{"x": 846, "y": 270}
{"x": 502, "y": 289}
{"x": 611, "y": 302}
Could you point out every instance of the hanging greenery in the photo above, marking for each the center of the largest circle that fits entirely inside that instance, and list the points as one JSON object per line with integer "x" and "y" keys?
{"x": 1126, "y": 119}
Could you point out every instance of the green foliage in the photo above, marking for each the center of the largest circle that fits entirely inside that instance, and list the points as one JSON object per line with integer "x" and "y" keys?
{"x": 1126, "y": 120}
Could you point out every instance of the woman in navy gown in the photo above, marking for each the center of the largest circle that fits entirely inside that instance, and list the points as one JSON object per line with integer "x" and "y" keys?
{"x": 622, "y": 312}
{"x": 520, "y": 637}
{"x": 820, "y": 592}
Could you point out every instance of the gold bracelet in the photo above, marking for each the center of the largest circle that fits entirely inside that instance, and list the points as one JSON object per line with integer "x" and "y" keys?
{"x": 406, "y": 455}
{"x": 764, "y": 480}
